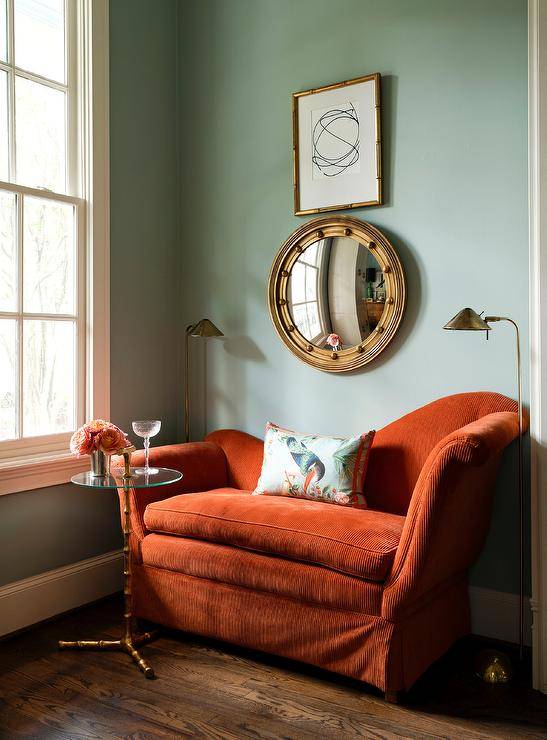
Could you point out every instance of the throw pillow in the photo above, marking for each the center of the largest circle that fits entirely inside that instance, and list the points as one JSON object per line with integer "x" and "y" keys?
{"x": 329, "y": 469}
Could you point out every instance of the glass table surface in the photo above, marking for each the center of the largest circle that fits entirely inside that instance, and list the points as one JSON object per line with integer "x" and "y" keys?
{"x": 163, "y": 477}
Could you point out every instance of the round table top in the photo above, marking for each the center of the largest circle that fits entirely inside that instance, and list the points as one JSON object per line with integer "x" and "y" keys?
{"x": 163, "y": 477}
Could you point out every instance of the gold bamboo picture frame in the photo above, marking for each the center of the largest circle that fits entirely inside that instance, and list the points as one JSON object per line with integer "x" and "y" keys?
{"x": 337, "y": 146}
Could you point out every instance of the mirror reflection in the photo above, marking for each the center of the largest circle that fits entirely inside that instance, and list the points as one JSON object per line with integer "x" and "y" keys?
{"x": 336, "y": 293}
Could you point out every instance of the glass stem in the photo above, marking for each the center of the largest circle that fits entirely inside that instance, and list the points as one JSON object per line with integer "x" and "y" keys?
{"x": 146, "y": 449}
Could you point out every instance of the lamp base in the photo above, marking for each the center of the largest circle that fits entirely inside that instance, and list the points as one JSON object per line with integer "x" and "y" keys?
{"x": 493, "y": 666}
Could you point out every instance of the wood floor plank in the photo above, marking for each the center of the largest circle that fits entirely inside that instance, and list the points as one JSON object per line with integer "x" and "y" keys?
{"x": 129, "y": 693}
{"x": 206, "y": 689}
{"x": 136, "y": 694}
{"x": 288, "y": 685}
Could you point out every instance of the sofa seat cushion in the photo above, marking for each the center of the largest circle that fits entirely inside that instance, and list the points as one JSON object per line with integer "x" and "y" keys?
{"x": 257, "y": 571}
{"x": 359, "y": 542}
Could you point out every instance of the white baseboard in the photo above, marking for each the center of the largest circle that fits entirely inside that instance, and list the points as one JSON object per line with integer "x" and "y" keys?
{"x": 495, "y": 614}
{"x": 56, "y": 591}
{"x": 23, "y": 603}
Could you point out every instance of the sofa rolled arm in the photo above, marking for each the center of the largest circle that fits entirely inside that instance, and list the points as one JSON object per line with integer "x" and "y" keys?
{"x": 203, "y": 467}
{"x": 476, "y": 442}
{"x": 449, "y": 513}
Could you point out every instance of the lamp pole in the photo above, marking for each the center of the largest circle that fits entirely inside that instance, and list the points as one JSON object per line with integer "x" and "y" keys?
{"x": 206, "y": 330}
{"x": 494, "y": 666}
{"x": 491, "y": 319}
{"x": 186, "y": 385}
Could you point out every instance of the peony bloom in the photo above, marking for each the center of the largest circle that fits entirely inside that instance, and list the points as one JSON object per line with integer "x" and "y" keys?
{"x": 111, "y": 439}
{"x": 334, "y": 340}
{"x": 97, "y": 425}
{"x": 82, "y": 441}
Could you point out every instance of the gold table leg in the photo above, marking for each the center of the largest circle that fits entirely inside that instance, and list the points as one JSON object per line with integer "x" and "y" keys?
{"x": 129, "y": 642}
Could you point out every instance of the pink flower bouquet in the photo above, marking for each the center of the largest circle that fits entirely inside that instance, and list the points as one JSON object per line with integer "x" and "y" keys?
{"x": 98, "y": 435}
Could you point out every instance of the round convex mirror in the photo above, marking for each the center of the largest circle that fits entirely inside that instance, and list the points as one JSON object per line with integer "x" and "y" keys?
{"x": 337, "y": 293}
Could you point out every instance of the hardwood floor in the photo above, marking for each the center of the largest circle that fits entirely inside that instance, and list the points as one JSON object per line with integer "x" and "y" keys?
{"x": 210, "y": 690}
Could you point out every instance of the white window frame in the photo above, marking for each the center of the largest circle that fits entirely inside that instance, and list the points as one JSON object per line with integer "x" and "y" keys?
{"x": 46, "y": 461}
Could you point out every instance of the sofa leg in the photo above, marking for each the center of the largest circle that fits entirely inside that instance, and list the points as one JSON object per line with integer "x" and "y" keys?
{"x": 392, "y": 697}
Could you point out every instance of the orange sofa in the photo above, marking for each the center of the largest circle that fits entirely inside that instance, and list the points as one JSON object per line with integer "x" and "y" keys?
{"x": 376, "y": 594}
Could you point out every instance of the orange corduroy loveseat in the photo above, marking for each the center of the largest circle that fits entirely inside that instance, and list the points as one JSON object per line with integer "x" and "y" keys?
{"x": 376, "y": 594}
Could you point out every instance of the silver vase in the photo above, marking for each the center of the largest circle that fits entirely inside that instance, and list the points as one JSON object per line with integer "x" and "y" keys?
{"x": 100, "y": 464}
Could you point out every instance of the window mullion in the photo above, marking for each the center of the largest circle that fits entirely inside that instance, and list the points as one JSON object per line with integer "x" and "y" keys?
{"x": 20, "y": 303}
{"x": 11, "y": 32}
{"x": 39, "y": 79}
{"x": 11, "y": 90}
{"x": 72, "y": 79}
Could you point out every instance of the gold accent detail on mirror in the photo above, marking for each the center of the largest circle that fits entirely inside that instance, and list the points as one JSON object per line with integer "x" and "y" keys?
{"x": 319, "y": 234}
{"x": 381, "y": 314}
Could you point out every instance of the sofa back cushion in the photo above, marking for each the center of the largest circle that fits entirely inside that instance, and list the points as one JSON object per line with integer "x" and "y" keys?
{"x": 398, "y": 452}
{"x": 401, "y": 448}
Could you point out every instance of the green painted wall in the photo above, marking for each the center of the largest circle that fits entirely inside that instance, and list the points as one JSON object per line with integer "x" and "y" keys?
{"x": 454, "y": 124}
{"x": 51, "y": 527}
{"x": 455, "y": 152}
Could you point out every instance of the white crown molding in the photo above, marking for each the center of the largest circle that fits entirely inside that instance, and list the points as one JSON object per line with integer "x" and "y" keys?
{"x": 24, "y": 603}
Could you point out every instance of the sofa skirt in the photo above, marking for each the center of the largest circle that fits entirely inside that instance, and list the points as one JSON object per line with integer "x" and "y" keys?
{"x": 388, "y": 655}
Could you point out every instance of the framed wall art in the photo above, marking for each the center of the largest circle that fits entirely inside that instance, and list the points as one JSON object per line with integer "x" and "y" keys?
{"x": 337, "y": 146}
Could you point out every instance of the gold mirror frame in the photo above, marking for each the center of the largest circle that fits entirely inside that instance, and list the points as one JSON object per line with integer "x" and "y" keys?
{"x": 390, "y": 264}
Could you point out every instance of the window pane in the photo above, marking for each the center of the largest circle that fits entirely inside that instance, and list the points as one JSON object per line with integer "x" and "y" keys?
{"x": 8, "y": 375}
{"x": 313, "y": 320}
{"x": 40, "y": 37}
{"x": 3, "y": 29}
{"x": 48, "y": 257}
{"x": 300, "y": 317}
{"x": 48, "y": 377}
{"x": 8, "y": 252}
{"x": 40, "y": 135}
{"x": 310, "y": 255}
{"x": 311, "y": 283}
{"x": 4, "y": 143}
{"x": 297, "y": 282}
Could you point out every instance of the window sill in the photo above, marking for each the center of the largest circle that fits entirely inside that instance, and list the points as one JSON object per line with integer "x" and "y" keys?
{"x": 39, "y": 472}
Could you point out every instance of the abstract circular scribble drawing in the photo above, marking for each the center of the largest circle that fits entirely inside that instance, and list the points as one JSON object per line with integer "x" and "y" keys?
{"x": 335, "y": 141}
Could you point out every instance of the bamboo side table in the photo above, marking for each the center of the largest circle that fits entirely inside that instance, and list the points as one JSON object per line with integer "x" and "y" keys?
{"x": 126, "y": 480}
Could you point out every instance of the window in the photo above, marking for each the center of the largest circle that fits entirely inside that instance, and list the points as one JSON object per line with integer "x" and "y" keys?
{"x": 51, "y": 265}
{"x": 305, "y": 290}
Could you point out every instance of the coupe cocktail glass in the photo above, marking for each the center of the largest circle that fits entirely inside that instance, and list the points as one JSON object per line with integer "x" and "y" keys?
{"x": 146, "y": 429}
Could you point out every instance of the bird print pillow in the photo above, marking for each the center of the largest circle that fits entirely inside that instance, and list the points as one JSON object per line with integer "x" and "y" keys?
{"x": 329, "y": 469}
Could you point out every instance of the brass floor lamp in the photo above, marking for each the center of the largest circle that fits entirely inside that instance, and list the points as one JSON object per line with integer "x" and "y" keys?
{"x": 495, "y": 667}
{"x": 204, "y": 329}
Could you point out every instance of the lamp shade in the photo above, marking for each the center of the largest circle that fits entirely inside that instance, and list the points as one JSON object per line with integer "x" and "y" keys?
{"x": 467, "y": 320}
{"x": 205, "y": 328}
